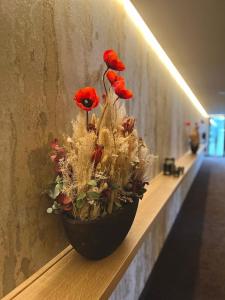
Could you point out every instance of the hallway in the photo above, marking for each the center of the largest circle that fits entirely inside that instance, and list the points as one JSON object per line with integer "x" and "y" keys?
{"x": 192, "y": 262}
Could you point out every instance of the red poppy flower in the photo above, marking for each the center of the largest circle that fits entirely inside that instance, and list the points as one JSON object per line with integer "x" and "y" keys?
{"x": 112, "y": 60}
{"x": 187, "y": 123}
{"x": 113, "y": 77}
{"x": 121, "y": 91}
{"x": 86, "y": 98}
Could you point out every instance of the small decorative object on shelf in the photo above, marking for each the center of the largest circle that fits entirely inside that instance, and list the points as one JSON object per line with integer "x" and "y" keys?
{"x": 194, "y": 139}
{"x": 181, "y": 170}
{"x": 169, "y": 168}
{"x": 102, "y": 169}
{"x": 194, "y": 136}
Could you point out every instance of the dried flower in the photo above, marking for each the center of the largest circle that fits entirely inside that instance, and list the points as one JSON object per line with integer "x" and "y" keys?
{"x": 112, "y": 60}
{"x": 57, "y": 155}
{"x": 65, "y": 201}
{"x": 104, "y": 164}
{"x": 128, "y": 125}
{"x": 91, "y": 127}
{"x": 97, "y": 154}
{"x": 86, "y": 98}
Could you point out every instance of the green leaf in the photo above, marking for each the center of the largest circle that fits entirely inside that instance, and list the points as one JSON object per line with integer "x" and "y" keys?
{"x": 93, "y": 195}
{"x": 54, "y": 192}
{"x": 58, "y": 179}
{"x": 57, "y": 191}
{"x": 51, "y": 194}
{"x": 80, "y": 199}
{"x": 114, "y": 186}
{"x": 82, "y": 195}
{"x": 92, "y": 182}
{"x": 55, "y": 205}
{"x": 79, "y": 203}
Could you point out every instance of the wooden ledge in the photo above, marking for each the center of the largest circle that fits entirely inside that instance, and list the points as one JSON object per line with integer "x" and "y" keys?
{"x": 69, "y": 276}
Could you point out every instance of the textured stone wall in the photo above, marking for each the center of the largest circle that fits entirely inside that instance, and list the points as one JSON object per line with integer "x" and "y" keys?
{"x": 136, "y": 276}
{"x": 49, "y": 48}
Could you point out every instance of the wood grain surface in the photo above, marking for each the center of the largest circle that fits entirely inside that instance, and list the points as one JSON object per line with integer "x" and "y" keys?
{"x": 69, "y": 276}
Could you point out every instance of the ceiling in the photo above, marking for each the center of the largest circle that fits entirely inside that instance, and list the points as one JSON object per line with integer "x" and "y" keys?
{"x": 192, "y": 32}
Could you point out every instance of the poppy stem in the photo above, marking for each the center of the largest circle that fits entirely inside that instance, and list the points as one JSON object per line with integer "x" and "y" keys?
{"x": 87, "y": 119}
{"x": 103, "y": 79}
{"x": 116, "y": 100}
{"x": 101, "y": 119}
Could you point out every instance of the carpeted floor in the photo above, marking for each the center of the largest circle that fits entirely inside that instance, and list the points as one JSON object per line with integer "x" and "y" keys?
{"x": 192, "y": 262}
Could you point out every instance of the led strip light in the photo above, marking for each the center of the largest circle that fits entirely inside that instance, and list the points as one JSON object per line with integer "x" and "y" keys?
{"x": 154, "y": 44}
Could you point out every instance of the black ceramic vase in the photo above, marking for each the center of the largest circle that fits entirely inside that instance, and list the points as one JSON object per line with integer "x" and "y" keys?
{"x": 98, "y": 238}
{"x": 194, "y": 148}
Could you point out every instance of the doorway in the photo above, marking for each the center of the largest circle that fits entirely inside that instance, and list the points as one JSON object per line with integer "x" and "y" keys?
{"x": 216, "y": 135}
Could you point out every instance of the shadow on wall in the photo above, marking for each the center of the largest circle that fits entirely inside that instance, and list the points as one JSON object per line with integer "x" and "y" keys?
{"x": 175, "y": 272}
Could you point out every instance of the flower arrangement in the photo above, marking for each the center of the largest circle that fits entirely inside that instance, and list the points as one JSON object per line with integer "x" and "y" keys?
{"x": 193, "y": 133}
{"x": 104, "y": 165}
{"x": 194, "y": 136}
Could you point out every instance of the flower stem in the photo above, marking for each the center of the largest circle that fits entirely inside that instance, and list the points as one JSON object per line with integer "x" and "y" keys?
{"x": 103, "y": 79}
{"x": 101, "y": 119}
{"x": 87, "y": 119}
{"x": 116, "y": 100}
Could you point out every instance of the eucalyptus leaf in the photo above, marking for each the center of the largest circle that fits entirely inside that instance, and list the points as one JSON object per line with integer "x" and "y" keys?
{"x": 82, "y": 195}
{"x": 114, "y": 186}
{"x": 56, "y": 205}
{"x": 51, "y": 194}
{"x": 92, "y": 182}
{"x": 79, "y": 202}
{"x": 54, "y": 192}
{"x": 93, "y": 195}
{"x": 80, "y": 199}
{"x": 58, "y": 179}
{"x": 57, "y": 191}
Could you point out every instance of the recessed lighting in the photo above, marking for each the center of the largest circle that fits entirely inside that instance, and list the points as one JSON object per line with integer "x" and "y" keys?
{"x": 156, "y": 47}
{"x": 213, "y": 123}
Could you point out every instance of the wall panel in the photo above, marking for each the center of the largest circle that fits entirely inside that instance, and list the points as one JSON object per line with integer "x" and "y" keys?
{"x": 49, "y": 48}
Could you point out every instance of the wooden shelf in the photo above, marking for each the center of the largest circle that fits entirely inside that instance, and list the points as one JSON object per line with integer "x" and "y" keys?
{"x": 69, "y": 276}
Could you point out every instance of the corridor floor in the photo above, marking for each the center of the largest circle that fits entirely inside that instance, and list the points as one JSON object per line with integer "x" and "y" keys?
{"x": 192, "y": 262}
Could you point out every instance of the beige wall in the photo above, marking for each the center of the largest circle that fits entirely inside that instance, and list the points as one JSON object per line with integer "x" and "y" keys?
{"x": 49, "y": 48}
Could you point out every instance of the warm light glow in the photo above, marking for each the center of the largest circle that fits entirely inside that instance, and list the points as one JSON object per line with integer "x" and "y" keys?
{"x": 154, "y": 44}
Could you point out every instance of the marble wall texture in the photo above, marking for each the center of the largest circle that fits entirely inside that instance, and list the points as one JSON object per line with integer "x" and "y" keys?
{"x": 48, "y": 49}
